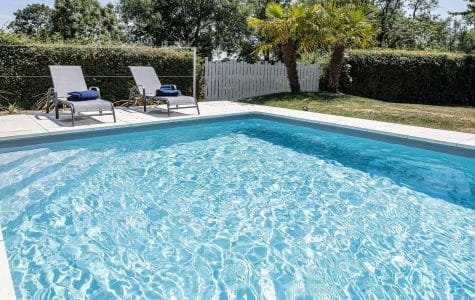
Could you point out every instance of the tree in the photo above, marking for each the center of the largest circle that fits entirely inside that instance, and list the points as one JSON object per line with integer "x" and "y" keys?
{"x": 85, "y": 20}
{"x": 466, "y": 41}
{"x": 249, "y": 44}
{"x": 143, "y": 21}
{"x": 409, "y": 24}
{"x": 111, "y": 27}
{"x": 33, "y": 21}
{"x": 290, "y": 30}
{"x": 424, "y": 7}
{"x": 344, "y": 26}
{"x": 469, "y": 14}
{"x": 387, "y": 15}
{"x": 206, "y": 24}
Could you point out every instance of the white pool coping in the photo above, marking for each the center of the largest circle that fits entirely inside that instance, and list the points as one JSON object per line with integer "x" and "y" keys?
{"x": 14, "y": 127}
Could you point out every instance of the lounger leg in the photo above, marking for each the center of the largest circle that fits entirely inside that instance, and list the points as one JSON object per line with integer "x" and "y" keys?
{"x": 47, "y": 103}
{"x": 168, "y": 109}
{"x": 51, "y": 94}
{"x": 144, "y": 102}
{"x": 100, "y": 112}
{"x": 56, "y": 110}
{"x": 113, "y": 114}
{"x": 72, "y": 115}
{"x": 198, "y": 109}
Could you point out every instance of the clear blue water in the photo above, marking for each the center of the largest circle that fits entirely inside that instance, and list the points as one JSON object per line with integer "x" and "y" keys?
{"x": 245, "y": 208}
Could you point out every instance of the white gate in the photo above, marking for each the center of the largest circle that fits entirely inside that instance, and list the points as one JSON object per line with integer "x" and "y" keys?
{"x": 239, "y": 80}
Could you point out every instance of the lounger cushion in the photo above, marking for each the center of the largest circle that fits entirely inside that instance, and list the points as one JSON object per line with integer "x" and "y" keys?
{"x": 83, "y": 96}
{"x": 181, "y": 100}
{"x": 168, "y": 92}
{"x": 91, "y": 105}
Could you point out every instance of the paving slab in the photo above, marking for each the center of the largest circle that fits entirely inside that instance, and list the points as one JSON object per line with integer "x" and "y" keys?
{"x": 15, "y": 123}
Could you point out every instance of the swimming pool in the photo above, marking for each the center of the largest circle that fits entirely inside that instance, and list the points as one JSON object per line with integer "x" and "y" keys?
{"x": 244, "y": 207}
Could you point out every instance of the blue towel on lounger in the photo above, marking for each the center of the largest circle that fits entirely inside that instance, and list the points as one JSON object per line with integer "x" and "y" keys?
{"x": 165, "y": 92}
{"x": 83, "y": 96}
{"x": 168, "y": 87}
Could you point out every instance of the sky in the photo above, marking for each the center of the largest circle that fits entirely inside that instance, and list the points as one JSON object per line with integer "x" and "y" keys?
{"x": 8, "y": 7}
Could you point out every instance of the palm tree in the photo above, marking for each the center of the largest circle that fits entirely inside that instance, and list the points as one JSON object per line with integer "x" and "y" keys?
{"x": 288, "y": 29}
{"x": 344, "y": 26}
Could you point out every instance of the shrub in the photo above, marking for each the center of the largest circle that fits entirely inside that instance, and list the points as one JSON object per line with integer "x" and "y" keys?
{"x": 12, "y": 38}
{"x": 98, "y": 64}
{"x": 411, "y": 76}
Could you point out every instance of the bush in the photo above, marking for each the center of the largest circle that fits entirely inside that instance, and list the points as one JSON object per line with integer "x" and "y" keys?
{"x": 12, "y": 38}
{"x": 411, "y": 77}
{"x": 98, "y": 64}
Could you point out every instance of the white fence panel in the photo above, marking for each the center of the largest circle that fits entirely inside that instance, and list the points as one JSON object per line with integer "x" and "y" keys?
{"x": 238, "y": 80}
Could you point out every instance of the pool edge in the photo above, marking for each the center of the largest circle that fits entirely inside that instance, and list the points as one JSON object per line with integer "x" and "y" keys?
{"x": 7, "y": 289}
{"x": 433, "y": 144}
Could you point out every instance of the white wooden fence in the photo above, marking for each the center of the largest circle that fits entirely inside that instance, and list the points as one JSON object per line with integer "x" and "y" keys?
{"x": 238, "y": 80}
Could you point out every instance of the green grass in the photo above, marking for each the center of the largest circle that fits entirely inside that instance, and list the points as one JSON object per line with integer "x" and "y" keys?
{"x": 441, "y": 117}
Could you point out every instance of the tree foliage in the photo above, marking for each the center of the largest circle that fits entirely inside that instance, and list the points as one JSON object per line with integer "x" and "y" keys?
{"x": 413, "y": 24}
{"x": 302, "y": 28}
{"x": 206, "y": 24}
{"x": 33, "y": 21}
{"x": 344, "y": 26}
{"x": 81, "y": 20}
{"x": 85, "y": 20}
{"x": 219, "y": 28}
{"x": 469, "y": 14}
{"x": 291, "y": 30}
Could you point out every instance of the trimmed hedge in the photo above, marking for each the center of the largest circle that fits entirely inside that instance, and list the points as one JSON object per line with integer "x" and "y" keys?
{"x": 411, "y": 77}
{"x": 96, "y": 61}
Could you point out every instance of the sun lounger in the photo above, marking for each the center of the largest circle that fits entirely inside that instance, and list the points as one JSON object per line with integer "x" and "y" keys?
{"x": 67, "y": 79}
{"x": 147, "y": 84}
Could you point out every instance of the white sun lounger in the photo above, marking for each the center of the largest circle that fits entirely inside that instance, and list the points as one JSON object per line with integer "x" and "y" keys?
{"x": 147, "y": 84}
{"x": 68, "y": 79}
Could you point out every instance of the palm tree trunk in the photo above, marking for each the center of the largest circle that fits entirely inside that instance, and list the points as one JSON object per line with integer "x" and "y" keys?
{"x": 289, "y": 55}
{"x": 336, "y": 63}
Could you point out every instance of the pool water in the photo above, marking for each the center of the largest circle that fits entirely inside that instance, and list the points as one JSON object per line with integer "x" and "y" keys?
{"x": 244, "y": 208}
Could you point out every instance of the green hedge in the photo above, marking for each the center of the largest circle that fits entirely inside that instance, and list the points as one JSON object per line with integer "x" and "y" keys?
{"x": 33, "y": 60}
{"x": 411, "y": 77}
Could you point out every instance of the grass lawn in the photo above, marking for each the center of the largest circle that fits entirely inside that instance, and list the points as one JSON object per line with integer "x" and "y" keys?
{"x": 442, "y": 117}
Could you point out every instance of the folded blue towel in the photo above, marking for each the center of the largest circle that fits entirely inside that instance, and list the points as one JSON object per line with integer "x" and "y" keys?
{"x": 168, "y": 93}
{"x": 168, "y": 87}
{"x": 83, "y": 96}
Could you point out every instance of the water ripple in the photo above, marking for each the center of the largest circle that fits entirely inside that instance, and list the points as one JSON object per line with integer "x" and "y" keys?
{"x": 248, "y": 209}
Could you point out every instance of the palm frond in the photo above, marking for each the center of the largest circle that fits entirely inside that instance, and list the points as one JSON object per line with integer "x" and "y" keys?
{"x": 274, "y": 11}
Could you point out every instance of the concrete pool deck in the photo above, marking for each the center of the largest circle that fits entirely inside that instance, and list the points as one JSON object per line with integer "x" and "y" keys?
{"x": 14, "y": 127}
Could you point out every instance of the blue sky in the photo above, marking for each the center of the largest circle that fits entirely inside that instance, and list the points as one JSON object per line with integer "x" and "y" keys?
{"x": 8, "y": 7}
